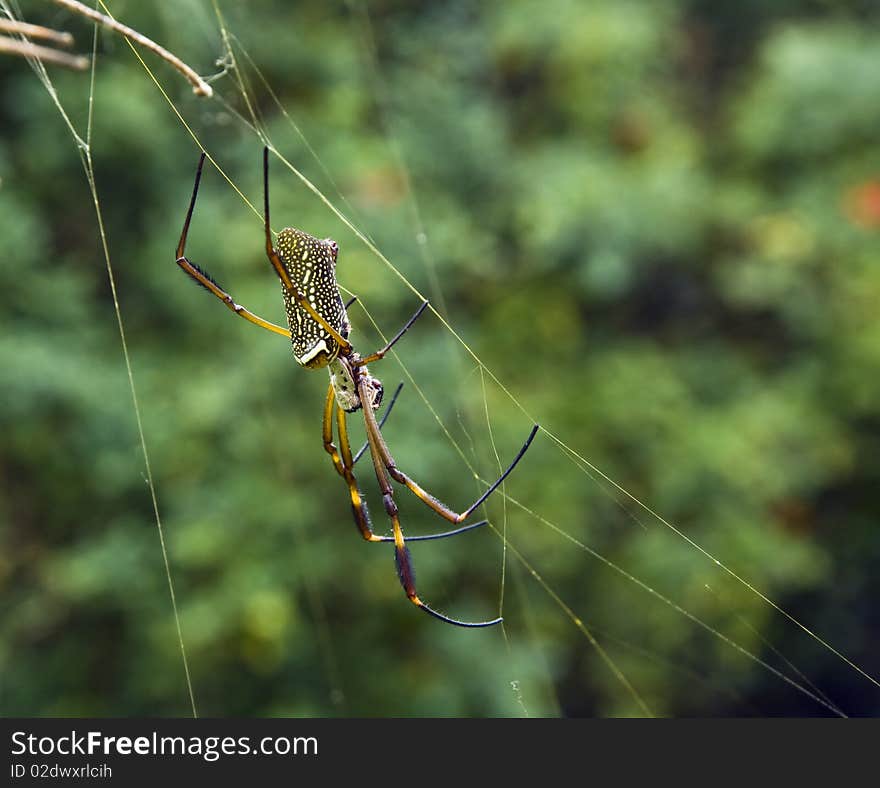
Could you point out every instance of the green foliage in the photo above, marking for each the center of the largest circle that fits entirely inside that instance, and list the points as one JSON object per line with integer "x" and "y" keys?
{"x": 656, "y": 223}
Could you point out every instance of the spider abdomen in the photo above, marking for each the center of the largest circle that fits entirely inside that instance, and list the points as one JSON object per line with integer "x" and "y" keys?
{"x": 311, "y": 265}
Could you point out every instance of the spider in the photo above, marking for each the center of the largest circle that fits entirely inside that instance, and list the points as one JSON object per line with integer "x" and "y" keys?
{"x": 318, "y": 330}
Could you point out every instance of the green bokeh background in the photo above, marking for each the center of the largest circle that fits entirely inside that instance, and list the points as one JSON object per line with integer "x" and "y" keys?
{"x": 657, "y": 223}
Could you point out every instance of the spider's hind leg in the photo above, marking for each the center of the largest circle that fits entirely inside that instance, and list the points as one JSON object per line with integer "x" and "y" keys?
{"x": 402, "y": 558}
{"x": 344, "y": 464}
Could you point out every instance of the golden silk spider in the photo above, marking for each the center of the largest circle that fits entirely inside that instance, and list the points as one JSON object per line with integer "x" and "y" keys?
{"x": 318, "y": 328}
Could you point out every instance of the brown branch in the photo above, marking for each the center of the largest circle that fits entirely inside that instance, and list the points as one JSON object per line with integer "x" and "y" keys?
{"x": 36, "y": 31}
{"x": 200, "y": 87}
{"x": 12, "y": 46}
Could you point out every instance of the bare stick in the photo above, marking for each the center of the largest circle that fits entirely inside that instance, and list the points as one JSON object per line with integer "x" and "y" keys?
{"x": 36, "y": 31}
{"x": 12, "y": 46}
{"x": 200, "y": 87}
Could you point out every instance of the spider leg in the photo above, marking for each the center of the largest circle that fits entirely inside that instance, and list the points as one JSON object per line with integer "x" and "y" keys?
{"x": 344, "y": 464}
{"x": 342, "y": 461}
{"x": 382, "y": 421}
{"x": 403, "y": 561}
{"x": 278, "y": 265}
{"x": 380, "y": 354}
{"x": 431, "y": 537}
{"x": 206, "y": 281}
{"x": 374, "y": 433}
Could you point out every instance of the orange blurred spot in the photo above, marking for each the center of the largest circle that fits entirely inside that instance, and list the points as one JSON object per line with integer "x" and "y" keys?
{"x": 862, "y": 204}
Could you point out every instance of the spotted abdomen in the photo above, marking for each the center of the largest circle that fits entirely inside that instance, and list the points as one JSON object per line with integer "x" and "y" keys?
{"x": 311, "y": 265}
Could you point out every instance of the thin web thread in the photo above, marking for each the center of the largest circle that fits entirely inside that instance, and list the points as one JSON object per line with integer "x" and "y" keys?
{"x": 90, "y": 174}
{"x": 791, "y": 666}
{"x": 678, "y": 608}
{"x": 503, "y": 491}
{"x": 85, "y": 153}
{"x": 382, "y": 103}
{"x": 514, "y": 684}
{"x": 324, "y": 638}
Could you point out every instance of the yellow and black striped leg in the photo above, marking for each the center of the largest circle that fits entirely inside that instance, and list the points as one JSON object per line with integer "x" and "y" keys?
{"x": 344, "y": 465}
{"x": 200, "y": 277}
{"x": 402, "y": 558}
{"x": 381, "y": 448}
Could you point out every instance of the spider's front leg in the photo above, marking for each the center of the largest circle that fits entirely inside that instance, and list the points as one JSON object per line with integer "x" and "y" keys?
{"x": 200, "y": 277}
{"x": 284, "y": 275}
{"x": 380, "y": 354}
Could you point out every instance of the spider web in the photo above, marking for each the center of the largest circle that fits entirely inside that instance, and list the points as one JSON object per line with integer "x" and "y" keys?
{"x": 244, "y": 92}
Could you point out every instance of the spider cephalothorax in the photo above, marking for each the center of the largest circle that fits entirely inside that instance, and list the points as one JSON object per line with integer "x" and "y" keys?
{"x": 345, "y": 379}
{"x": 319, "y": 330}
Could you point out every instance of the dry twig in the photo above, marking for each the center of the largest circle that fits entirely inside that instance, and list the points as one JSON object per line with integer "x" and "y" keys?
{"x": 15, "y": 46}
{"x": 36, "y": 31}
{"x": 200, "y": 87}
{"x": 18, "y": 43}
